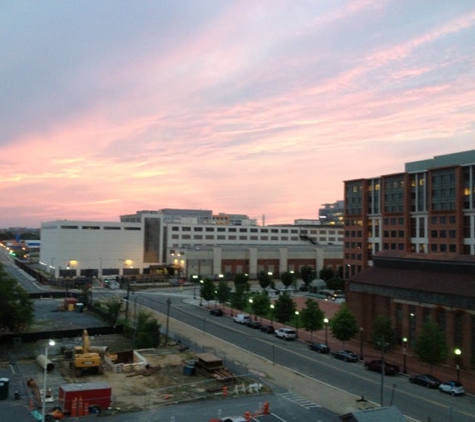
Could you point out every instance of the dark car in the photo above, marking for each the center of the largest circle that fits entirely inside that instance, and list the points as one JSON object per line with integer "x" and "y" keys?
{"x": 346, "y": 355}
{"x": 256, "y": 325}
{"x": 426, "y": 380}
{"x": 377, "y": 366}
{"x": 268, "y": 329}
{"x": 216, "y": 312}
{"x": 319, "y": 347}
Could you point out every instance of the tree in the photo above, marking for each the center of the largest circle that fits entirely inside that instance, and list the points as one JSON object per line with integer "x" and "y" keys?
{"x": 147, "y": 331}
{"x": 223, "y": 292}
{"x": 343, "y": 324}
{"x": 307, "y": 274}
{"x": 431, "y": 346}
{"x": 260, "y": 304}
{"x": 207, "y": 290}
{"x": 264, "y": 279}
{"x": 112, "y": 312}
{"x": 16, "y": 308}
{"x": 287, "y": 278}
{"x": 326, "y": 273}
{"x": 383, "y": 335}
{"x": 239, "y": 296}
{"x": 336, "y": 283}
{"x": 241, "y": 281}
{"x": 312, "y": 316}
{"x": 284, "y": 308}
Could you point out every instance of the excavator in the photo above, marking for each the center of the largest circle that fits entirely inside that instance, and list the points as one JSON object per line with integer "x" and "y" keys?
{"x": 84, "y": 360}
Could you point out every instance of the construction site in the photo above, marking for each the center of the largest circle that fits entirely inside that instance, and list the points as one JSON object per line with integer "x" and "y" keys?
{"x": 100, "y": 374}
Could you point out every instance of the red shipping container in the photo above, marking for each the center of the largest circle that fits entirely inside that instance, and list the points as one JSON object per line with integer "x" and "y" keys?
{"x": 97, "y": 394}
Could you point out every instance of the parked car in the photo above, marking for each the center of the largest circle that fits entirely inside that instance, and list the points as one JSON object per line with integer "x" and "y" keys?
{"x": 256, "y": 325}
{"x": 346, "y": 355}
{"x": 242, "y": 318}
{"x": 268, "y": 329}
{"x": 216, "y": 312}
{"x": 232, "y": 419}
{"x": 452, "y": 387}
{"x": 319, "y": 347}
{"x": 426, "y": 380}
{"x": 286, "y": 333}
{"x": 377, "y": 366}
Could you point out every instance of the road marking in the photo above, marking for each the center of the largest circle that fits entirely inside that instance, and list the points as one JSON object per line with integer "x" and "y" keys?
{"x": 295, "y": 398}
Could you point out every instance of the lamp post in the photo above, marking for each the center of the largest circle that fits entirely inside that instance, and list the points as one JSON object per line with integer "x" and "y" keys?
{"x": 361, "y": 343}
{"x": 194, "y": 277}
{"x": 297, "y": 323}
{"x": 326, "y": 321}
{"x": 271, "y": 314}
{"x": 201, "y": 295}
{"x": 43, "y": 408}
{"x": 250, "y": 305}
{"x": 458, "y": 353}
{"x": 404, "y": 347}
{"x": 168, "y": 319}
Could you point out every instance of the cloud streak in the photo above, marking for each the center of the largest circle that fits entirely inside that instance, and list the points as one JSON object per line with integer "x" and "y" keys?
{"x": 259, "y": 108}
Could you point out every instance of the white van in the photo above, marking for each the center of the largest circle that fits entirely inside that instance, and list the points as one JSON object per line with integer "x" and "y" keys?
{"x": 242, "y": 318}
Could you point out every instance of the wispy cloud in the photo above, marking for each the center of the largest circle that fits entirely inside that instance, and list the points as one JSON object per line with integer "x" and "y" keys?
{"x": 259, "y": 108}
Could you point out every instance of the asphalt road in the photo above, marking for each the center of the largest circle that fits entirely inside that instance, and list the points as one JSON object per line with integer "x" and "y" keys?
{"x": 415, "y": 401}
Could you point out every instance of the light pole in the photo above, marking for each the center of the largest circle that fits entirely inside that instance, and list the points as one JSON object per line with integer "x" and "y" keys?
{"x": 361, "y": 343}
{"x": 271, "y": 314}
{"x": 194, "y": 277}
{"x": 326, "y": 321}
{"x": 297, "y": 323}
{"x": 404, "y": 347}
{"x": 458, "y": 353}
{"x": 250, "y": 305}
{"x": 201, "y": 291}
{"x": 43, "y": 409}
{"x": 383, "y": 344}
{"x": 168, "y": 319}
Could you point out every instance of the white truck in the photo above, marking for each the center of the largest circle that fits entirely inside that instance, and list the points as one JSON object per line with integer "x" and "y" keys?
{"x": 242, "y": 318}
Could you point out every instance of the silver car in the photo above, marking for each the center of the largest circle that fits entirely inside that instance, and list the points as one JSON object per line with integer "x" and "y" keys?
{"x": 452, "y": 387}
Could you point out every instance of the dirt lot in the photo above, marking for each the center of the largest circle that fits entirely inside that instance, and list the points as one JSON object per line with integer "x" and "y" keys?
{"x": 165, "y": 381}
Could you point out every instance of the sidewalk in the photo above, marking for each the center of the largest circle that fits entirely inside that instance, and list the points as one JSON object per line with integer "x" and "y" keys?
{"x": 413, "y": 365}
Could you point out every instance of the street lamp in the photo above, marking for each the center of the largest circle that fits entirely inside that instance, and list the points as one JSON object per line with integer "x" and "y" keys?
{"x": 194, "y": 277}
{"x": 250, "y": 304}
{"x": 361, "y": 343}
{"x": 201, "y": 292}
{"x": 271, "y": 314}
{"x": 43, "y": 409}
{"x": 297, "y": 323}
{"x": 404, "y": 347}
{"x": 458, "y": 353}
{"x": 169, "y": 302}
{"x": 326, "y": 321}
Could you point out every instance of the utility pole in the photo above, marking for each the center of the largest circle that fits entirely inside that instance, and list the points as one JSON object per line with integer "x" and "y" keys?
{"x": 169, "y": 302}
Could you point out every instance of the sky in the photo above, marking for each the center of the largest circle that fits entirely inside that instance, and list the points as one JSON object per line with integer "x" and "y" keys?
{"x": 261, "y": 108}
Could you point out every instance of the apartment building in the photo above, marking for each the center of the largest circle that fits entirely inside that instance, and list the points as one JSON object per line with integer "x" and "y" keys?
{"x": 428, "y": 208}
{"x": 409, "y": 246}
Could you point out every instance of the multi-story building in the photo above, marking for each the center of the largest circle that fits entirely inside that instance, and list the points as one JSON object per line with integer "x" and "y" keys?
{"x": 428, "y": 208}
{"x": 409, "y": 243}
{"x": 189, "y": 241}
{"x": 332, "y": 214}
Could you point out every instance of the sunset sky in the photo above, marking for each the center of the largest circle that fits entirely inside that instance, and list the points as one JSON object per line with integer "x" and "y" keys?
{"x": 259, "y": 107}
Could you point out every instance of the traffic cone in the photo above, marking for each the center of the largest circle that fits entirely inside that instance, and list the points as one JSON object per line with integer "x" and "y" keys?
{"x": 74, "y": 407}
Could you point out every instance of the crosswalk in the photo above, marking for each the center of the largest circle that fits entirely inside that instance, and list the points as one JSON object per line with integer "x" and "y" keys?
{"x": 295, "y": 398}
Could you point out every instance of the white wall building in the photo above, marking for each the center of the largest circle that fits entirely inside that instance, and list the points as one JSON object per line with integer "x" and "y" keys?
{"x": 188, "y": 239}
